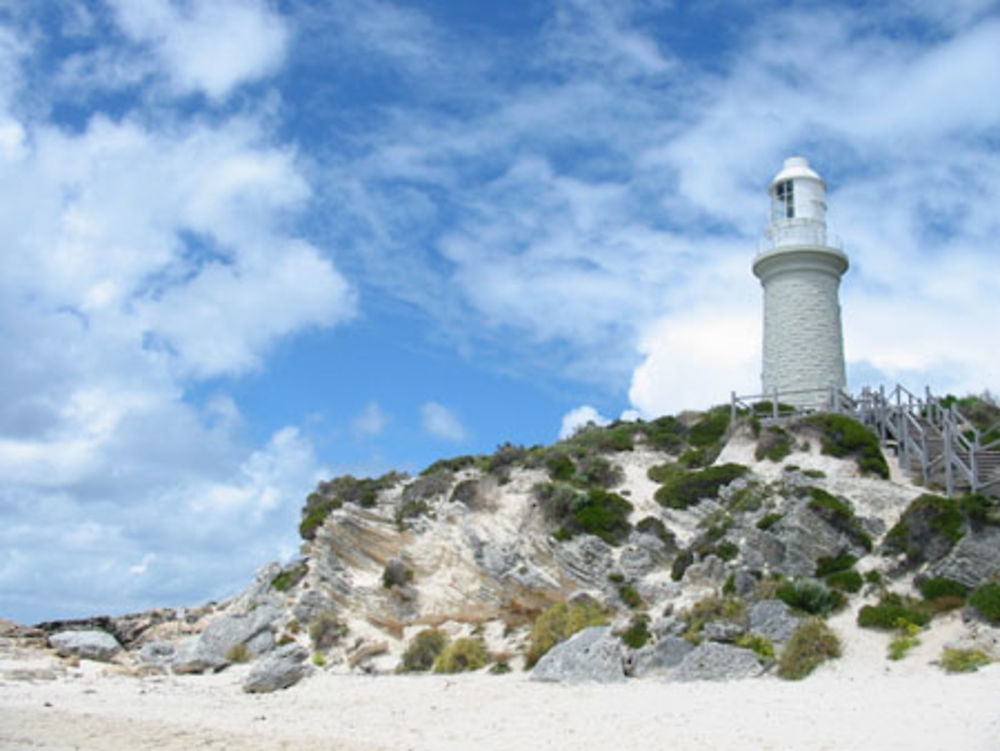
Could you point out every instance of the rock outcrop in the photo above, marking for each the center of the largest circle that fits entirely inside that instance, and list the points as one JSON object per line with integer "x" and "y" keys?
{"x": 591, "y": 656}
{"x": 90, "y": 645}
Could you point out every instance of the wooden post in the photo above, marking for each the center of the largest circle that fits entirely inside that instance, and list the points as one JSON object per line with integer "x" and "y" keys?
{"x": 732, "y": 407}
{"x": 774, "y": 404}
{"x": 949, "y": 479}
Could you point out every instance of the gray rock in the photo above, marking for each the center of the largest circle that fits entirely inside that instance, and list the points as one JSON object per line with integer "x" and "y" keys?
{"x": 208, "y": 652}
{"x": 90, "y": 645}
{"x": 586, "y": 559}
{"x": 712, "y": 661}
{"x": 973, "y": 561}
{"x": 773, "y": 619}
{"x": 311, "y": 603}
{"x": 744, "y": 583}
{"x": 157, "y": 652}
{"x": 669, "y": 625}
{"x": 642, "y": 553}
{"x": 711, "y": 572}
{"x": 806, "y": 538}
{"x": 762, "y": 549}
{"x": 397, "y": 573}
{"x": 593, "y": 655}
{"x": 722, "y": 631}
{"x": 282, "y": 668}
{"x": 656, "y": 660}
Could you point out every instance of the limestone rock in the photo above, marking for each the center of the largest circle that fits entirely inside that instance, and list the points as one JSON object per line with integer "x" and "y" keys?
{"x": 208, "y": 652}
{"x": 157, "y": 652}
{"x": 710, "y": 571}
{"x": 773, "y": 619}
{"x": 712, "y": 661}
{"x": 656, "y": 660}
{"x": 90, "y": 645}
{"x": 592, "y": 655}
{"x": 973, "y": 560}
{"x": 587, "y": 559}
{"x": 722, "y": 631}
{"x": 282, "y": 668}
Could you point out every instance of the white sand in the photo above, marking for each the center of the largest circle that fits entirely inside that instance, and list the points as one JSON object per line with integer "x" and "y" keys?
{"x": 840, "y": 707}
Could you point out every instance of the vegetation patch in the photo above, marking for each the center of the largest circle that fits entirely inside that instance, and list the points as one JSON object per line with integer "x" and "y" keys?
{"x": 838, "y": 515}
{"x": 890, "y": 611}
{"x": 599, "y": 513}
{"x": 713, "y": 608}
{"x": 774, "y": 444}
{"x": 760, "y": 644}
{"x": 809, "y": 596}
{"x": 927, "y": 530}
{"x": 769, "y": 520}
{"x": 557, "y": 624}
{"x": 812, "y": 644}
{"x": 827, "y": 565}
{"x": 462, "y": 655}
{"x": 650, "y": 525}
{"x": 630, "y": 596}
{"x": 963, "y": 660}
{"x": 665, "y": 433}
{"x": 637, "y": 633}
{"x": 905, "y": 640}
{"x": 689, "y": 488}
{"x": 845, "y": 581}
{"x": 333, "y": 494}
{"x": 986, "y": 600}
{"x": 423, "y": 650}
{"x": 681, "y": 563}
{"x": 939, "y": 587}
{"x": 710, "y": 429}
{"x": 239, "y": 653}
{"x": 843, "y": 437}
{"x": 326, "y": 630}
{"x": 289, "y": 577}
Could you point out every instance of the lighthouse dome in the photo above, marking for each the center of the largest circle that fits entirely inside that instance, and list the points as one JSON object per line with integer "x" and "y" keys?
{"x": 796, "y": 167}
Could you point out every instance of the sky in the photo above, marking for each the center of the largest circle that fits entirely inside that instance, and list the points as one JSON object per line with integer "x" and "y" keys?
{"x": 249, "y": 245}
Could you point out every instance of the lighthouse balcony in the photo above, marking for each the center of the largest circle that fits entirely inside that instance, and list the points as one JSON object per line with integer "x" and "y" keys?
{"x": 798, "y": 233}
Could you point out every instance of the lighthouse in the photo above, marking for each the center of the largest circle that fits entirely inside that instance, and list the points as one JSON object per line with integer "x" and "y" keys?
{"x": 799, "y": 267}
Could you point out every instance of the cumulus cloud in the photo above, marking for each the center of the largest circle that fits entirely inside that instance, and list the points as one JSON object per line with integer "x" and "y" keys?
{"x": 208, "y": 46}
{"x": 371, "y": 422}
{"x": 580, "y": 417}
{"x": 441, "y": 422}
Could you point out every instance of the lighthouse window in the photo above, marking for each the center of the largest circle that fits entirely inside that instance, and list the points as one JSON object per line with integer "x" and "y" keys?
{"x": 783, "y": 192}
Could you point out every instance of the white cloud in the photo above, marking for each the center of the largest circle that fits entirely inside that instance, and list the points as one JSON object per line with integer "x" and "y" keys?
{"x": 371, "y": 422}
{"x": 579, "y": 417}
{"x": 211, "y": 46}
{"x": 441, "y": 422}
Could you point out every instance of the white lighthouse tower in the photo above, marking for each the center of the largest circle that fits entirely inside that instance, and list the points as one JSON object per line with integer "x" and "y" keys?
{"x": 799, "y": 268}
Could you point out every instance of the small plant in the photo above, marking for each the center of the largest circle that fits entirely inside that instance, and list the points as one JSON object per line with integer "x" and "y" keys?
{"x": 845, "y": 581}
{"x": 616, "y": 577}
{"x": 710, "y": 428}
{"x": 326, "y": 630}
{"x": 773, "y": 444}
{"x": 808, "y": 596}
{"x": 815, "y": 474}
{"x": 890, "y": 610}
{"x": 727, "y": 550}
{"x": 637, "y": 634}
{"x": 769, "y": 520}
{"x": 319, "y": 659}
{"x": 874, "y": 578}
{"x": 599, "y": 513}
{"x": 462, "y": 655}
{"x": 557, "y": 624}
{"x": 826, "y": 565}
{"x": 630, "y": 596}
{"x": 500, "y": 667}
{"x": 423, "y": 650}
{"x": 986, "y": 599}
{"x": 713, "y": 608}
{"x": 942, "y": 587}
{"x": 396, "y": 574}
{"x": 763, "y": 646}
{"x": 289, "y": 577}
{"x": 689, "y": 488}
{"x": 239, "y": 653}
{"x": 963, "y": 660}
{"x": 844, "y": 437}
{"x": 812, "y": 644}
{"x": 681, "y": 562}
{"x": 650, "y": 525}
{"x": 905, "y": 640}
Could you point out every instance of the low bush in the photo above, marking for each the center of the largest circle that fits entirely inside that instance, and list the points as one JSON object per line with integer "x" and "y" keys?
{"x": 710, "y": 428}
{"x": 455, "y": 464}
{"x": 727, "y": 550}
{"x": 326, "y": 630}
{"x": 319, "y": 659}
{"x": 904, "y": 641}
{"x": 239, "y": 653}
{"x": 333, "y": 494}
{"x": 598, "y": 513}
{"x": 665, "y": 433}
{"x": 808, "y": 596}
{"x": 594, "y": 439}
{"x": 963, "y": 660}
{"x": 843, "y": 437}
{"x": 462, "y": 655}
{"x": 650, "y": 525}
{"x": 773, "y": 444}
{"x": 933, "y": 589}
{"x": 557, "y": 624}
{"x": 760, "y": 644}
{"x": 689, "y": 488}
{"x": 986, "y": 600}
{"x": 890, "y": 610}
{"x": 289, "y": 577}
{"x": 681, "y": 562}
{"x": 845, "y": 581}
{"x": 769, "y": 520}
{"x": 598, "y": 472}
{"x": 664, "y": 473}
{"x": 630, "y": 596}
{"x": 396, "y": 574}
{"x": 826, "y": 565}
{"x": 812, "y": 644}
{"x": 637, "y": 633}
{"x": 423, "y": 650}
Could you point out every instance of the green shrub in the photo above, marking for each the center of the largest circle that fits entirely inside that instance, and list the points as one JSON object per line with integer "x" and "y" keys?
{"x": 749, "y": 498}
{"x": 333, "y": 494}
{"x": 815, "y": 474}
{"x": 698, "y": 458}
{"x": 616, "y": 577}
{"x": 500, "y": 667}
{"x": 325, "y": 630}
{"x": 663, "y": 473}
{"x": 826, "y": 565}
{"x": 423, "y": 650}
{"x": 689, "y": 488}
{"x": 904, "y": 641}
{"x": 812, "y": 644}
{"x": 560, "y": 466}
{"x": 769, "y": 520}
{"x": 650, "y": 525}
{"x": 773, "y": 444}
{"x": 455, "y": 464}
{"x": 462, "y": 655}
{"x": 598, "y": 513}
{"x": 963, "y": 660}
{"x": 598, "y": 472}
{"x": 557, "y": 624}
{"x": 874, "y": 578}
{"x": 808, "y": 596}
{"x": 986, "y": 599}
{"x": 839, "y": 515}
{"x": 619, "y": 436}
{"x": 843, "y": 437}
{"x": 710, "y": 428}
{"x": 928, "y": 528}
{"x": 630, "y": 596}
{"x": 665, "y": 433}
{"x": 763, "y": 646}
{"x": 845, "y": 581}
{"x": 319, "y": 659}
{"x": 288, "y": 578}
{"x": 396, "y": 574}
{"x": 933, "y": 589}
{"x": 681, "y": 562}
{"x": 890, "y": 610}
{"x": 637, "y": 633}
{"x": 727, "y": 550}
{"x": 239, "y": 653}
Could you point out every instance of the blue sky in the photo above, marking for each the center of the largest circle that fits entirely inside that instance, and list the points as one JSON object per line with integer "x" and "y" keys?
{"x": 248, "y": 245}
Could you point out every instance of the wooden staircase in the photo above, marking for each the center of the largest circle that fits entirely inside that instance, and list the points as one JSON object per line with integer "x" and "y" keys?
{"x": 936, "y": 444}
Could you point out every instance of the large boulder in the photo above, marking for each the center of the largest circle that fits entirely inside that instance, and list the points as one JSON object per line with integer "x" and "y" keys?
{"x": 90, "y": 645}
{"x": 282, "y": 668}
{"x": 657, "y": 660}
{"x": 157, "y": 652}
{"x": 974, "y": 560}
{"x": 712, "y": 661}
{"x": 806, "y": 537}
{"x": 211, "y": 650}
{"x": 586, "y": 559}
{"x": 592, "y": 655}
{"x": 773, "y": 619}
